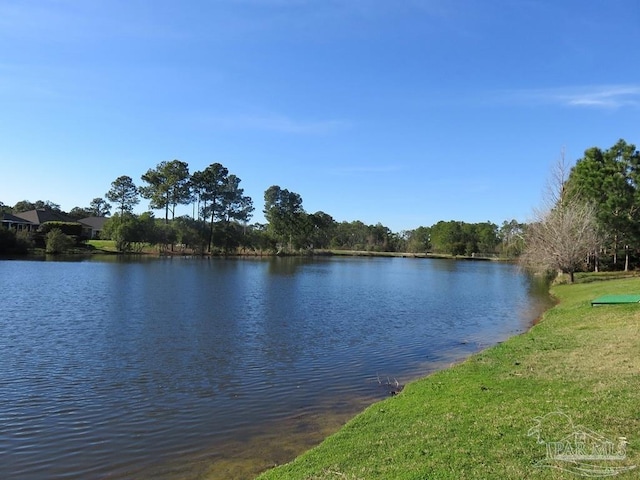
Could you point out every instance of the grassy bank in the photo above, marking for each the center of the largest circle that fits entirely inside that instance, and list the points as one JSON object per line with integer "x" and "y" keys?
{"x": 106, "y": 246}
{"x": 472, "y": 421}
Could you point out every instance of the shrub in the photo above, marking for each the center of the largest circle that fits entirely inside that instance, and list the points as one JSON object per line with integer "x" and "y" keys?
{"x": 14, "y": 242}
{"x": 57, "y": 242}
{"x": 24, "y": 242}
{"x": 7, "y": 240}
{"x": 71, "y": 229}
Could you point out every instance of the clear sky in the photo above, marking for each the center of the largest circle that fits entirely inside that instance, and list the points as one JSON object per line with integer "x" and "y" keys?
{"x": 403, "y": 112}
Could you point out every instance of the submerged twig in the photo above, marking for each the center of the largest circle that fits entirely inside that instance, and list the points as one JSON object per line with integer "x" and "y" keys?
{"x": 395, "y": 387}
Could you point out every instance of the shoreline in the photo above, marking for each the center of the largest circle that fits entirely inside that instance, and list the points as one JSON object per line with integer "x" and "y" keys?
{"x": 471, "y": 420}
{"x": 77, "y": 253}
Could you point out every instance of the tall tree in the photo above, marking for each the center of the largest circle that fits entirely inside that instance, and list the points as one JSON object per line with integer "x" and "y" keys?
{"x": 419, "y": 240}
{"x": 511, "y": 235}
{"x": 610, "y": 180}
{"x": 235, "y": 211}
{"x": 47, "y": 205}
{"x": 23, "y": 206}
{"x": 221, "y": 200}
{"x": 378, "y": 238}
{"x": 323, "y": 227}
{"x": 487, "y": 238}
{"x": 26, "y": 205}
{"x": 209, "y": 185}
{"x": 168, "y": 185}
{"x": 283, "y": 210}
{"x": 448, "y": 237}
{"x": 124, "y": 193}
{"x": 564, "y": 231}
{"x": 99, "y": 207}
{"x": 79, "y": 212}
{"x": 235, "y": 205}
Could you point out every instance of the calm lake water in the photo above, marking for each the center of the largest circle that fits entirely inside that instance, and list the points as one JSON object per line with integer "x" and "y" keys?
{"x": 220, "y": 368}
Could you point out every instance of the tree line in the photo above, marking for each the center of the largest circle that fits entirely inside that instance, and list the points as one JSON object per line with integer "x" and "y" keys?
{"x": 591, "y": 220}
{"x": 221, "y": 215}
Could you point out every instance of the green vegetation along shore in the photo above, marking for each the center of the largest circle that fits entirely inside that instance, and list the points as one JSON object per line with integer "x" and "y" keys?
{"x": 569, "y": 386}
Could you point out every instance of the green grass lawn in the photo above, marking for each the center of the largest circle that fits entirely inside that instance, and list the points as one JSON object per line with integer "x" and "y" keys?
{"x": 109, "y": 246}
{"x": 472, "y": 420}
{"x": 104, "y": 245}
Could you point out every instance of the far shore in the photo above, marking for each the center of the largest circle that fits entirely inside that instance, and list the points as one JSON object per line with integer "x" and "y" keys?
{"x": 107, "y": 247}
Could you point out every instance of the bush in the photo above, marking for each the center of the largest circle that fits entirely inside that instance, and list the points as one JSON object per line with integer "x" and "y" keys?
{"x": 71, "y": 229}
{"x": 14, "y": 242}
{"x": 24, "y": 242}
{"x": 57, "y": 242}
{"x": 7, "y": 240}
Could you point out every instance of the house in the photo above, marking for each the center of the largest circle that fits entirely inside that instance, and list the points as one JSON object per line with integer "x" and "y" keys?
{"x": 14, "y": 222}
{"x": 32, "y": 219}
{"x": 43, "y": 215}
{"x": 96, "y": 225}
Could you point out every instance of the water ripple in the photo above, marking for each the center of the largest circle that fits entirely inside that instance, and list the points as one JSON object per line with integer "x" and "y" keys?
{"x": 157, "y": 369}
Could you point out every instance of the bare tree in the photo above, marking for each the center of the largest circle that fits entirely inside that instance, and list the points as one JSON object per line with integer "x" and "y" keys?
{"x": 564, "y": 232}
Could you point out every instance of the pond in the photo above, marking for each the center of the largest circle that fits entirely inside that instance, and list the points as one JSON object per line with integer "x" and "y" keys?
{"x": 220, "y": 368}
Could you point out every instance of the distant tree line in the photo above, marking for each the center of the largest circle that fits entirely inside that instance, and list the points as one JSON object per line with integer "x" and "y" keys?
{"x": 221, "y": 214}
{"x": 604, "y": 180}
{"x": 220, "y": 223}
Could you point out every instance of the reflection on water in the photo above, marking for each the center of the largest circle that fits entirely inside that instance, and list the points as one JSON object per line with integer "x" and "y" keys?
{"x": 180, "y": 368}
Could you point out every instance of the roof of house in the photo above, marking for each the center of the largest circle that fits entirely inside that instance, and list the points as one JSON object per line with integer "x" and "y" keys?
{"x": 41, "y": 216}
{"x": 97, "y": 223}
{"x": 9, "y": 218}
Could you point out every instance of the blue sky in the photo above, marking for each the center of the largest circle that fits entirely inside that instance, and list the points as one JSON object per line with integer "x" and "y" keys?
{"x": 401, "y": 112}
